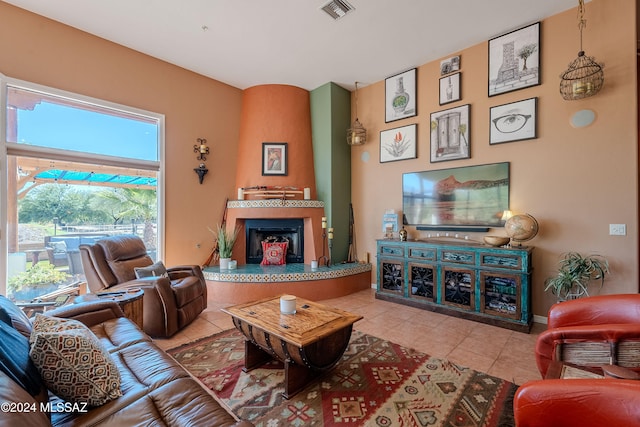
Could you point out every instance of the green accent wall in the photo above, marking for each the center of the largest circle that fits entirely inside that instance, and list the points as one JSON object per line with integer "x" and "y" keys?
{"x": 330, "y": 119}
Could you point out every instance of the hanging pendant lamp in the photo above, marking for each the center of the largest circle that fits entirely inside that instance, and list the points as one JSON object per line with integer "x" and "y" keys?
{"x": 585, "y": 76}
{"x": 356, "y": 134}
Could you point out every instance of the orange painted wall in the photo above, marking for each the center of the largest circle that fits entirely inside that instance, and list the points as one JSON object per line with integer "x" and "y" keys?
{"x": 575, "y": 181}
{"x": 276, "y": 113}
{"x": 43, "y": 51}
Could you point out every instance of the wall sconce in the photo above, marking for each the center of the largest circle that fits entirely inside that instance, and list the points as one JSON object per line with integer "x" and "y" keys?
{"x": 201, "y": 171}
{"x": 201, "y": 148}
{"x": 585, "y": 76}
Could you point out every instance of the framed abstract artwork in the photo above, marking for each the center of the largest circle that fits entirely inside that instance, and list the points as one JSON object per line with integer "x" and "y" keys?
{"x": 274, "y": 158}
{"x": 398, "y": 144}
{"x": 450, "y": 134}
{"x": 515, "y": 121}
{"x": 400, "y": 96}
{"x": 514, "y": 60}
{"x": 450, "y": 88}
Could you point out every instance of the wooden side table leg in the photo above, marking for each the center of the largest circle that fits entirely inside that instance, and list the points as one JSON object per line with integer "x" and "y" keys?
{"x": 254, "y": 356}
{"x": 295, "y": 378}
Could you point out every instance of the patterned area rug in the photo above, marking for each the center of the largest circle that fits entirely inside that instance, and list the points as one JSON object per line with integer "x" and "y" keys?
{"x": 376, "y": 383}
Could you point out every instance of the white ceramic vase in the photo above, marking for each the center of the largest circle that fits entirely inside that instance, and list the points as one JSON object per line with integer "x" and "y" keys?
{"x": 224, "y": 263}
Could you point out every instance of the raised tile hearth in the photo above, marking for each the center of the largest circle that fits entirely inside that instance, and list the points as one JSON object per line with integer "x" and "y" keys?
{"x": 251, "y": 281}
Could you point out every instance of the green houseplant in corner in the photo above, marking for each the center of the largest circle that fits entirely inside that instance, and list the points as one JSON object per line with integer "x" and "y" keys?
{"x": 226, "y": 239}
{"x": 575, "y": 273}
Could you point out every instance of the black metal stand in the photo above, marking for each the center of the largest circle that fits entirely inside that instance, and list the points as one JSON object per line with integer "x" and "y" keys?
{"x": 326, "y": 259}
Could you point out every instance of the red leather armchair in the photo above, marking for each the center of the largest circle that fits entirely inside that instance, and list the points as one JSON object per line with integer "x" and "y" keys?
{"x": 592, "y": 331}
{"x": 170, "y": 303}
{"x": 588, "y": 332}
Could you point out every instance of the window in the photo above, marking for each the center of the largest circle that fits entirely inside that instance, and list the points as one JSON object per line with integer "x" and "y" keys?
{"x": 78, "y": 169}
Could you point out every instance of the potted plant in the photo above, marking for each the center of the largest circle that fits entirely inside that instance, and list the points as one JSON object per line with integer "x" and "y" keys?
{"x": 37, "y": 280}
{"x": 575, "y": 274}
{"x": 226, "y": 240}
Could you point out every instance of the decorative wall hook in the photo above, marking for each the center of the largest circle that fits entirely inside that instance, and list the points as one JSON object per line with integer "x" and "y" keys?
{"x": 201, "y": 148}
{"x": 201, "y": 171}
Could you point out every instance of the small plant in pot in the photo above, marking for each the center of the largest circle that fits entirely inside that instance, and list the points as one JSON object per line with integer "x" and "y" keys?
{"x": 575, "y": 274}
{"x": 38, "y": 279}
{"x": 226, "y": 239}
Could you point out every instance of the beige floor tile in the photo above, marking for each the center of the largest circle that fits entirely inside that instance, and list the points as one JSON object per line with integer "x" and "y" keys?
{"x": 497, "y": 351}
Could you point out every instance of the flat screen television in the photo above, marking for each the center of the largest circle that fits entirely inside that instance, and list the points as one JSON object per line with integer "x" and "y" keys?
{"x": 471, "y": 197}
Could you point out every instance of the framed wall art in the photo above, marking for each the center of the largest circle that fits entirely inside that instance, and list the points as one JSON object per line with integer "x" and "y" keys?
{"x": 514, "y": 60}
{"x": 274, "y": 158}
{"x": 450, "y": 88}
{"x": 400, "y": 96}
{"x": 515, "y": 121}
{"x": 398, "y": 144}
{"x": 450, "y": 134}
{"x": 450, "y": 65}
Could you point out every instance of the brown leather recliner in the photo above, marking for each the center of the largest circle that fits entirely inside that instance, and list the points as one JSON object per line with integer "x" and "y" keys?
{"x": 170, "y": 303}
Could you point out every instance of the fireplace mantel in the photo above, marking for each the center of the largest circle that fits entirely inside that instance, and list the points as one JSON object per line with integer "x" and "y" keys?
{"x": 311, "y": 211}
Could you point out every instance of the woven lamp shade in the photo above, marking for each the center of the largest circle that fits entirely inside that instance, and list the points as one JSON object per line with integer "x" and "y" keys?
{"x": 356, "y": 134}
{"x": 582, "y": 79}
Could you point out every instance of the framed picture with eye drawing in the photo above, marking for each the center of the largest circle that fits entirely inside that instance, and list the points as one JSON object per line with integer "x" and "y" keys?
{"x": 515, "y": 121}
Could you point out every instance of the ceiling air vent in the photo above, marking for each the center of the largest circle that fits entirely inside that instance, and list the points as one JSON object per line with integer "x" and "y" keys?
{"x": 337, "y": 8}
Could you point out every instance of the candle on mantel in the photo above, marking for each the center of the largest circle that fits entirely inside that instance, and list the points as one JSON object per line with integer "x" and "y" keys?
{"x": 330, "y": 233}
{"x": 307, "y": 193}
{"x": 324, "y": 222}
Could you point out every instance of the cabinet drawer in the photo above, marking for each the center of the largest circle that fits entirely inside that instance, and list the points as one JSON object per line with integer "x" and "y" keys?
{"x": 458, "y": 257}
{"x": 512, "y": 262}
{"x": 428, "y": 254}
{"x": 391, "y": 250}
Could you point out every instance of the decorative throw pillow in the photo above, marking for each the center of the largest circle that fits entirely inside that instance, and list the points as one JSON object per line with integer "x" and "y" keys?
{"x": 274, "y": 253}
{"x": 72, "y": 362}
{"x": 154, "y": 270}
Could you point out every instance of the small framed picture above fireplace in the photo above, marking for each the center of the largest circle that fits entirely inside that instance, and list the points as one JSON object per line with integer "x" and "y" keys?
{"x": 274, "y": 158}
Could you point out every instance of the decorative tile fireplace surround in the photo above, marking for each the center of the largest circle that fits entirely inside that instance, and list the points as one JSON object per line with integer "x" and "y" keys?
{"x": 253, "y": 281}
{"x": 309, "y": 211}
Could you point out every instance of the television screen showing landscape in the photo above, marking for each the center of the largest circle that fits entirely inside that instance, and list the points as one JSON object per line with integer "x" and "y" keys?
{"x": 466, "y": 196}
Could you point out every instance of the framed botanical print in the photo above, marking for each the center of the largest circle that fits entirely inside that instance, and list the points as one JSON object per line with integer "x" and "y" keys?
{"x": 274, "y": 158}
{"x": 514, "y": 60}
{"x": 450, "y": 134}
{"x": 515, "y": 121}
{"x": 450, "y": 89}
{"x": 398, "y": 144}
{"x": 400, "y": 96}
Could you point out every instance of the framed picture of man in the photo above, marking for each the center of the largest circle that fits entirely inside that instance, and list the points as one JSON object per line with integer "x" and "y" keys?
{"x": 274, "y": 158}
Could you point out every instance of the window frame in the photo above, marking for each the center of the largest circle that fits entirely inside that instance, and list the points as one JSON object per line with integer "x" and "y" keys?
{"x": 18, "y": 149}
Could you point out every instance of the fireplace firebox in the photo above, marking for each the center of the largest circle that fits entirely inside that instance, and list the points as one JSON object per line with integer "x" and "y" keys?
{"x": 283, "y": 229}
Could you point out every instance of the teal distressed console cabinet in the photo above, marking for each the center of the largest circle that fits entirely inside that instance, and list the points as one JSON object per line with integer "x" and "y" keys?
{"x": 460, "y": 278}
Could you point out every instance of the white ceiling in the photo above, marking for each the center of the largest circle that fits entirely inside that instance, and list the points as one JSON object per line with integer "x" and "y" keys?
{"x": 252, "y": 42}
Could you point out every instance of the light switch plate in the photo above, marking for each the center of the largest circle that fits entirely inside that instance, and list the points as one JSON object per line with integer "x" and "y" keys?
{"x": 617, "y": 229}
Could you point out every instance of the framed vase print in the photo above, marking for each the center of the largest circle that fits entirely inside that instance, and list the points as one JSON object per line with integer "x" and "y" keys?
{"x": 398, "y": 144}
{"x": 514, "y": 60}
{"x": 515, "y": 121}
{"x": 274, "y": 158}
{"x": 400, "y": 96}
{"x": 450, "y": 89}
{"x": 450, "y": 134}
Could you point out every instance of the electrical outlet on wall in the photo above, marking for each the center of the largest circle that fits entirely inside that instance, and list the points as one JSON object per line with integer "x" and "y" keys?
{"x": 617, "y": 229}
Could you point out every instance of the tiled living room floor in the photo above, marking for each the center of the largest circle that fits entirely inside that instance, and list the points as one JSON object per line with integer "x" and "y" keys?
{"x": 496, "y": 351}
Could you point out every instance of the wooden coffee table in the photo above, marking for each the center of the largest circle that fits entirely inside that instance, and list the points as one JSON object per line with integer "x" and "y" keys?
{"x": 310, "y": 341}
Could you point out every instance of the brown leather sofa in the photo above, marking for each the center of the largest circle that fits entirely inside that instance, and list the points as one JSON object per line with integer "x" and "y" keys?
{"x": 156, "y": 390}
{"x": 589, "y": 333}
{"x": 170, "y": 303}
